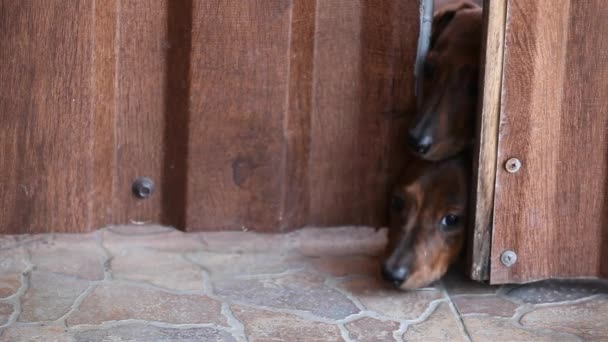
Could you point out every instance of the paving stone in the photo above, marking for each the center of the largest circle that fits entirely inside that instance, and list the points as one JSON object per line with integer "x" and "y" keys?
{"x": 371, "y": 330}
{"x": 551, "y": 291}
{"x": 9, "y": 242}
{"x": 486, "y": 328}
{"x": 266, "y": 326}
{"x": 12, "y": 265}
{"x": 168, "y": 270}
{"x": 146, "y": 333}
{"x": 6, "y": 309}
{"x": 33, "y": 333}
{"x": 587, "y": 319}
{"x": 442, "y": 325}
{"x": 332, "y": 241}
{"x": 401, "y": 305}
{"x": 457, "y": 283}
{"x": 121, "y": 238}
{"x": 346, "y": 265}
{"x": 118, "y": 301}
{"x": 50, "y": 296}
{"x": 244, "y": 264}
{"x": 490, "y": 305}
{"x": 301, "y": 291}
{"x": 244, "y": 242}
{"x": 76, "y": 255}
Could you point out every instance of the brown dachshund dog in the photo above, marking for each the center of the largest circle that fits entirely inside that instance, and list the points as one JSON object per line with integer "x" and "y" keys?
{"x": 445, "y": 121}
{"x": 428, "y": 220}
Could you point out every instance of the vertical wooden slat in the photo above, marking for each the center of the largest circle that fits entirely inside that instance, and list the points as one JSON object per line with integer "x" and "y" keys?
{"x": 239, "y": 80}
{"x": 141, "y": 96}
{"x": 46, "y": 113}
{"x": 101, "y": 202}
{"x": 295, "y": 202}
{"x": 336, "y": 114}
{"x": 552, "y": 212}
{"x": 582, "y": 173}
{"x": 361, "y": 80}
{"x": 484, "y": 169}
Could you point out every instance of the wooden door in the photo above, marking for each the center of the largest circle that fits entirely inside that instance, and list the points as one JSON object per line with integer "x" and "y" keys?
{"x": 552, "y": 116}
{"x": 263, "y": 114}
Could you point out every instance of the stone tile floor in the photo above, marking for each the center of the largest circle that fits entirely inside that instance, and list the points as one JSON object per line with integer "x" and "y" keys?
{"x": 149, "y": 283}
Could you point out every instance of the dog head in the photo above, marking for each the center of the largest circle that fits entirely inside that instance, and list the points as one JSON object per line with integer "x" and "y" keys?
{"x": 445, "y": 121}
{"x": 428, "y": 220}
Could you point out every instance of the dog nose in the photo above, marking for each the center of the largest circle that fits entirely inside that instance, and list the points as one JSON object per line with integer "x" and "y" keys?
{"x": 394, "y": 276}
{"x": 419, "y": 145}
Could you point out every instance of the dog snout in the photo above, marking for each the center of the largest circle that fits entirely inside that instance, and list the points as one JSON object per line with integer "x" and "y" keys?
{"x": 420, "y": 144}
{"x": 395, "y": 275}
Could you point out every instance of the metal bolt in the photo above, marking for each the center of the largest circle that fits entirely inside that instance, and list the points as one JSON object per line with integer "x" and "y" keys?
{"x": 513, "y": 165}
{"x": 508, "y": 258}
{"x": 143, "y": 187}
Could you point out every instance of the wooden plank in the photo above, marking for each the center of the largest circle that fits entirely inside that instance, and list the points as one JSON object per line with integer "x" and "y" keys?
{"x": 46, "y": 114}
{"x": 552, "y": 213}
{"x": 295, "y": 205}
{"x": 363, "y": 86}
{"x": 101, "y": 202}
{"x": 484, "y": 169}
{"x": 329, "y": 85}
{"x": 265, "y": 115}
{"x": 141, "y": 99}
{"x": 239, "y": 84}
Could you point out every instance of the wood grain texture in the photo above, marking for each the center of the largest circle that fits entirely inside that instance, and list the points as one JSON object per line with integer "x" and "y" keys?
{"x": 101, "y": 201}
{"x": 295, "y": 203}
{"x": 330, "y": 98}
{"x": 141, "y": 97}
{"x": 267, "y": 114}
{"x": 363, "y": 86}
{"x": 46, "y": 113}
{"x": 552, "y": 213}
{"x": 239, "y": 80}
{"x": 484, "y": 168}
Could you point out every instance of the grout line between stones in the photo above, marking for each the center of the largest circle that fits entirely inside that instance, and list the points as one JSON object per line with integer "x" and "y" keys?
{"x": 237, "y": 327}
{"x": 456, "y": 312}
{"x": 77, "y": 302}
{"x": 331, "y": 283}
{"x": 569, "y": 302}
{"x": 124, "y": 322}
{"x": 398, "y": 334}
{"x": 107, "y": 263}
{"x": 205, "y": 277}
{"x": 16, "y": 298}
{"x": 345, "y": 333}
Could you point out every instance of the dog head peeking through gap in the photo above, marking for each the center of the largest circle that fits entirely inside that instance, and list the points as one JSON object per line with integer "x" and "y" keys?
{"x": 445, "y": 121}
{"x": 427, "y": 222}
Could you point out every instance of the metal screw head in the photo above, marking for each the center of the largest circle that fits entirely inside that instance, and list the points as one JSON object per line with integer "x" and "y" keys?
{"x": 143, "y": 187}
{"x": 513, "y": 165}
{"x": 508, "y": 258}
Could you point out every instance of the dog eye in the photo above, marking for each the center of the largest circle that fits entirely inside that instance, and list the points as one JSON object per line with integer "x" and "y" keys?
{"x": 397, "y": 203}
{"x": 450, "y": 221}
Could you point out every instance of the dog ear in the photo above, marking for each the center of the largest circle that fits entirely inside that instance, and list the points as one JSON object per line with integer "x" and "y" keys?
{"x": 444, "y": 15}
